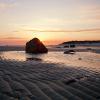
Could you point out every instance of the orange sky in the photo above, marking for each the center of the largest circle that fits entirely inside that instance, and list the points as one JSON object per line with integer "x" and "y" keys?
{"x": 52, "y": 21}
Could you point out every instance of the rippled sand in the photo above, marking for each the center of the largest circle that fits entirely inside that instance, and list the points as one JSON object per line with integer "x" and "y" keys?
{"x": 33, "y": 80}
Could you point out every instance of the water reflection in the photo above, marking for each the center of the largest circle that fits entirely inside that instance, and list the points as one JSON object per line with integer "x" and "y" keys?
{"x": 79, "y": 59}
{"x": 34, "y": 59}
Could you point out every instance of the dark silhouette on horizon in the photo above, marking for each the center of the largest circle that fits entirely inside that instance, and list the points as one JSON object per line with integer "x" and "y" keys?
{"x": 82, "y": 42}
{"x": 35, "y": 46}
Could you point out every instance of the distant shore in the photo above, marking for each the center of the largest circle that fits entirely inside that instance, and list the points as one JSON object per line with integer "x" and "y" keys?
{"x": 12, "y": 48}
{"x": 83, "y": 43}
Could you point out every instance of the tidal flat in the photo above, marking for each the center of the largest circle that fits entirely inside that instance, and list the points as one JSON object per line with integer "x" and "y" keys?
{"x": 52, "y": 76}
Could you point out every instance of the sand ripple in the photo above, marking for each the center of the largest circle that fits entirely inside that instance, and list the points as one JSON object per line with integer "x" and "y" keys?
{"x": 32, "y": 80}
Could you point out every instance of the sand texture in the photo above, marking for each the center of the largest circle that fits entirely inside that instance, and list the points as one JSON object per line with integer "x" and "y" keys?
{"x": 33, "y": 80}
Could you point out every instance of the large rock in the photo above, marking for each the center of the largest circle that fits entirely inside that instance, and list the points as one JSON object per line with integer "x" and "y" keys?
{"x": 35, "y": 46}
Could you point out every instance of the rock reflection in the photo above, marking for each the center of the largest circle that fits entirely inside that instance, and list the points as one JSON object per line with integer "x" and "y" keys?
{"x": 34, "y": 59}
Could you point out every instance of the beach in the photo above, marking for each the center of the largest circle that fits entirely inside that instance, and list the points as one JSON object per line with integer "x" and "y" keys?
{"x": 50, "y": 80}
{"x": 49, "y": 49}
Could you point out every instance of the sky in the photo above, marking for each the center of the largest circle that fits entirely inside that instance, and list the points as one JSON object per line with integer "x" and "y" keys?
{"x": 52, "y": 21}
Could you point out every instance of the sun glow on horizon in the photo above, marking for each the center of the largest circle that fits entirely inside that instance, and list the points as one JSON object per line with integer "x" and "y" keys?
{"x": 52, "y": 21}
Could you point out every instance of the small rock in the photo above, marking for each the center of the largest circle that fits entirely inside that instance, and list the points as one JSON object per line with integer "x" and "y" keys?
{"x": 69, "y": 52}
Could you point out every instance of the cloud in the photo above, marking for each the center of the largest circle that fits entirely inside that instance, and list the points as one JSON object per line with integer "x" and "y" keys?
{"x": 79, "y": 30}
{"x": 12, "y": 41}
{"x": 13, "y": 38}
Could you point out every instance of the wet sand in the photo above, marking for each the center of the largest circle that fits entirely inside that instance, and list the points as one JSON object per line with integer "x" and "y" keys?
{"x": 34, "y": 80}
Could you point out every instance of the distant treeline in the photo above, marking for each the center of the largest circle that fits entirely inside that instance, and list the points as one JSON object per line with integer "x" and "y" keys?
{"x": 81, "y": 42}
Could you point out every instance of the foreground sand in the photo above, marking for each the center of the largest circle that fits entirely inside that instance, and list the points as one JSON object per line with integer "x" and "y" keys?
{"x": 33, "y": 80}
